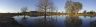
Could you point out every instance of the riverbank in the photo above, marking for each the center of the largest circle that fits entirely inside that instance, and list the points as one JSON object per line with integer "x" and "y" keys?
{"x": 9, "y": 22}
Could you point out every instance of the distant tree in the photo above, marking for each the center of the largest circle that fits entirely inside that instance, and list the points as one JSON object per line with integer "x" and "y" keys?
{"x": 91, "y": 12}
{"x": 24, "y": 10}
{"x": 45, "y": 6}
{"x": 84, "y": 12}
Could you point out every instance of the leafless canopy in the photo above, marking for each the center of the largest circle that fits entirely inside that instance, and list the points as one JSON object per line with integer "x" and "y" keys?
{"x": 24, "y": 9}
{"x": 45, "y": 5}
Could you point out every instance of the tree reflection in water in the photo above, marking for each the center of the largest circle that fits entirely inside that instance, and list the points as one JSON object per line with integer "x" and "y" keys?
{"x": 93, "y": 24}
{"x": 73, "y": 21}
{"x": 24, "y": 21}
{"x": 49, "y": 22}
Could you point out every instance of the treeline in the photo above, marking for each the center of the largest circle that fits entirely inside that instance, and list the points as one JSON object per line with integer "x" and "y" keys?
{"x": 29, "y": 14}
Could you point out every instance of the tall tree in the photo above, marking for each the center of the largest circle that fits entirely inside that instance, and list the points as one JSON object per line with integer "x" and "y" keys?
{"x": 45, "y": 6}
{"x": 24, "y": 10}
{"x": 73, "y": 7}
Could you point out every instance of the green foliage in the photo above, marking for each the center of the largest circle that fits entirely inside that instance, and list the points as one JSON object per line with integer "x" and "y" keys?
{"x": 91, "y": 12}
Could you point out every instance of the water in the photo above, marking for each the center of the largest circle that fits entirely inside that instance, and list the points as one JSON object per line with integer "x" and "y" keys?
{"x": 57, "y": 21}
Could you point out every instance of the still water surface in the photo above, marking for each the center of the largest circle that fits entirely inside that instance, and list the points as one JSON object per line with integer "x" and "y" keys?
{"x": 57, "y": 21}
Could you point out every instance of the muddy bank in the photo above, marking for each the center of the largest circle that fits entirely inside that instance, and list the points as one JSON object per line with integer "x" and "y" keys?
{"x": 9, "y": 22}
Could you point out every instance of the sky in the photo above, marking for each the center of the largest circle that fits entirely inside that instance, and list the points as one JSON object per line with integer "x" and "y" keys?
{"x": 13, "y": 6}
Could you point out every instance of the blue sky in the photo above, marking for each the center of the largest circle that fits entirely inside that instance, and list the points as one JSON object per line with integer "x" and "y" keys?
{"x": 16, "y": 5}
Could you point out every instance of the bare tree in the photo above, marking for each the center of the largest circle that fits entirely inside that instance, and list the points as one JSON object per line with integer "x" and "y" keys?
{"x": 24, "y": 10}
{"x": 45, "y": 6}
